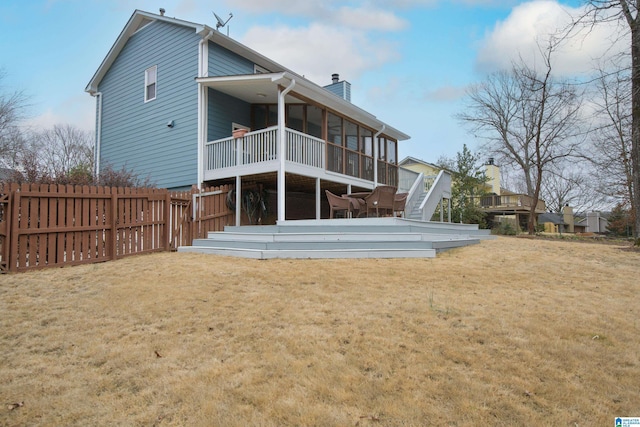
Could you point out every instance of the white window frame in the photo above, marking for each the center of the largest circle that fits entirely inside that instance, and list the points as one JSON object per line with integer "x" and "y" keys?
{"x": 148, "y": 83}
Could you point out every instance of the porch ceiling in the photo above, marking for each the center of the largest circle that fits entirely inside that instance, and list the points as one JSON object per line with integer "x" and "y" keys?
{"x": 254, "y": 88}
{"x": 263, "y": 88}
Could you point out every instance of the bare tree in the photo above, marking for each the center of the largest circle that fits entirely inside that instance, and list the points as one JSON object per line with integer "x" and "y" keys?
{"x": 528, "y": 120}
{"x": 611, "y": 136}
{"x": 625, "y": 12}
{"x": 62, "y": 154}
{"x": 64, "y": 148}
{"x": 12, "y": 106}
{"x": 565, "y": 185}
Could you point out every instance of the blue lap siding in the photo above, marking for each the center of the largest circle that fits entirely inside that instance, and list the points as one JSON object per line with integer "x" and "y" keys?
{"x": 135, "y": 134}
{"x": 224, "y": 109}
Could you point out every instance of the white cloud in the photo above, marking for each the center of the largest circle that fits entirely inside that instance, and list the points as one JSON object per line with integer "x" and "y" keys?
{"x": 530, "y": 25}
{"x": 446, "y": 93}
{"x": 78, "y": 111}
{"x": 319, "y": 50}
{"x": 362, "y": 15}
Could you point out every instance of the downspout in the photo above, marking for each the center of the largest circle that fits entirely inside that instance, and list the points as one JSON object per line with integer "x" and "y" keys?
{"x": 375, "y": 155}
{"x": 203, "y": 71}
{"x": 96, "y": 153}
{"x": 282, "y": 148}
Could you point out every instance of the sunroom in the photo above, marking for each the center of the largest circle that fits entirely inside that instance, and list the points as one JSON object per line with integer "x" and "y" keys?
{"x": 295, "y": 139}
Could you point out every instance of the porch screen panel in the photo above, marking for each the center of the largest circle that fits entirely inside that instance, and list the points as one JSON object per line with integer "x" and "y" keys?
{"x": 259, "y": 117}
{"x": 382, "y": 172}
{"x": 334, "y": 158}
{"x": 353, "y": 157}
{"x": 392, "y": 172}
{"x": 314, "y": 121}
{"x": 392, "y": 147}
{"x": 367, "y": 168}
{"x": 334, "y": 130}
{"x": 295, "y": 117}
{"x": 366, "y": 151}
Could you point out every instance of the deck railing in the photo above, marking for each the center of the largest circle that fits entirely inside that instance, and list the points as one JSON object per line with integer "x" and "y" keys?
{"x": 510, "y": 201}
{"x": 262, "y": 146}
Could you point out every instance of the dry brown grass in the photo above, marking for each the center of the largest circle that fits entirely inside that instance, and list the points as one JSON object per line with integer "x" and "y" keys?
{"x": 509, "y": 332}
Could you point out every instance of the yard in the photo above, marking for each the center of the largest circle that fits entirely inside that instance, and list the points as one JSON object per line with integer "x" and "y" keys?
{"x": 510, "y": 332}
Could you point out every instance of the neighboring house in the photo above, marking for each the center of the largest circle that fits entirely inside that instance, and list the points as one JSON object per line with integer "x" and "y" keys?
{"x": 594, "y": 222}
{"x": 170, "y": 93}
{"x": 499, "y": 204}
{"x": 558, "y": 222}
{"x": 502, "y": 205}
{"x": 420, "y": 166}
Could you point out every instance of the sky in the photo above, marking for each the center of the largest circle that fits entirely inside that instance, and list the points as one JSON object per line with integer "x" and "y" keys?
{"x": 409, "y": 62}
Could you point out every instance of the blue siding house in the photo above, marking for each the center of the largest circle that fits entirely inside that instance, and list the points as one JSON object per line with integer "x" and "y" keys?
{"x": 170, "y": 94}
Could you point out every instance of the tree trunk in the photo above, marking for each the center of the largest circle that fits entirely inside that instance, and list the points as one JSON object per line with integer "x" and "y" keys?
{"x": 635, "y": 129}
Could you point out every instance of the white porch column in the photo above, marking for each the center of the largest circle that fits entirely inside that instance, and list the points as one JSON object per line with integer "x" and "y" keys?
{"x": 449, "y": 208}
{"x": 202, "y": 131}
{"x": 282, "y": 149}
{"x": 318, "y": 198}
{"x": 238, "y": 200}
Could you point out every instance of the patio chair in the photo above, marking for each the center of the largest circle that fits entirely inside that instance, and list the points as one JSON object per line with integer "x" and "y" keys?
{"x": 399, "y": 202}
{"x": 381, "y": 199}
{"x": 339, "y": 204}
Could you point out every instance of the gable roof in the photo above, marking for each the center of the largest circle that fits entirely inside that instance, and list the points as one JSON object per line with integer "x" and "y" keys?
{"x": 140, "y": 19}
{"x": 554, "y": 218}
{"x": 413, "y": 160}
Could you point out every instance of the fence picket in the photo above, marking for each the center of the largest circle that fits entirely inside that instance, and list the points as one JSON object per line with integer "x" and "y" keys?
{"x": 56, "y": 225}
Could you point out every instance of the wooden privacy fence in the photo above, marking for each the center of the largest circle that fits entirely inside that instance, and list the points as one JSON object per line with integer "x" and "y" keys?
{"x": 55, "y": 225}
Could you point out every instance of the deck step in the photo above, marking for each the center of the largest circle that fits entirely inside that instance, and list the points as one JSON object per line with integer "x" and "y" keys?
{"x": 312, "y": 254}
{"x": 340, "y": 238}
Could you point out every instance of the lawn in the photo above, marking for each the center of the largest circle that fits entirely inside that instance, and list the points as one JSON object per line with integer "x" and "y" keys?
{"x": 513, "y": 332}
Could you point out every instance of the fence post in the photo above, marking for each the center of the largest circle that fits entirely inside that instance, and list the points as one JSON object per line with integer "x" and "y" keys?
{"x": 114, "y": 223}
{"x": 167, "y": 221}
{"x": 13, "y": 252}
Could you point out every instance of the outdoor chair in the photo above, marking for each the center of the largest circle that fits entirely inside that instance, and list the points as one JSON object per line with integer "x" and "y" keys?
{"x": 399, "y": 202}
{"x": 340, "y": 204}
{"x": 381, "y": 199}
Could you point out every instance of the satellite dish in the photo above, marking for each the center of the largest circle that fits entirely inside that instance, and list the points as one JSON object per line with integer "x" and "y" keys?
{"x": 221, "y": 23}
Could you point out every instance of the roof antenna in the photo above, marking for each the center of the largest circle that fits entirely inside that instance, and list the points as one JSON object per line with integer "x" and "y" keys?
{"x": 222, "y": 23}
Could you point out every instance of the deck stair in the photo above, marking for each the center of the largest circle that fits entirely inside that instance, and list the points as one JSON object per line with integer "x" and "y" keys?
{"x": 340, "y": 238}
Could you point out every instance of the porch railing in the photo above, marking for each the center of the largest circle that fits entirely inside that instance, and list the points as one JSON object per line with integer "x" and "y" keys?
{"x": 262, "y": 146}
{"x": 305, "y": 149}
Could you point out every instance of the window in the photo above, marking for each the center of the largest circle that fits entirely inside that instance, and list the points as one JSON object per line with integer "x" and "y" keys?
{"x": 150, "y": 79}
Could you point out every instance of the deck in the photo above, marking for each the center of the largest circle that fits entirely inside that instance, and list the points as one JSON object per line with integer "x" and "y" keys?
{"x": 340, "y": 238}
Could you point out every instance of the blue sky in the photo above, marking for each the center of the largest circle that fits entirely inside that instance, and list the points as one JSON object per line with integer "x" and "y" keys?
{"x": 408, "y": 61}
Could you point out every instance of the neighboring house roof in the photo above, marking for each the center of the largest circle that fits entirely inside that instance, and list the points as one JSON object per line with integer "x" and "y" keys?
{"x": 408, "y": 161}
{"x": 553, "y": 218}
{"x": 139, "y": 19}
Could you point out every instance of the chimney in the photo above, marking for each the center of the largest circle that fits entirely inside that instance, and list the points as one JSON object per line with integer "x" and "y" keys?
{"x": 492, "y": 172}
{"x": 567, "y": 217}
{"x": 335, "y": 78}
{"x": 162, "y": 11}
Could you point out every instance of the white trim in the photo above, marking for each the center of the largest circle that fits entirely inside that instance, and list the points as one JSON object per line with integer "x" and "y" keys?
{"x": 147, "y": 83}
{"x": 259, "y": 70}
